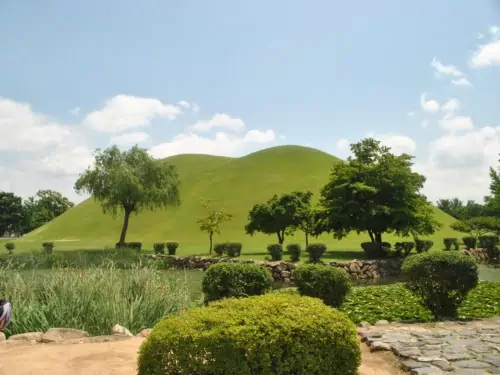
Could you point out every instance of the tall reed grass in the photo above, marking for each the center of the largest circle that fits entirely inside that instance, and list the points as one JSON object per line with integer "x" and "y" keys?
{"x": 93, "y": 299}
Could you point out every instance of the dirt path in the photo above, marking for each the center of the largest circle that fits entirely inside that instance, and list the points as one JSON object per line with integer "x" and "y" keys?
{"x": 119, "y": 357}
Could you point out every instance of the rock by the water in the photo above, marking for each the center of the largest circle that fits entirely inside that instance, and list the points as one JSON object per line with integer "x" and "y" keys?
{"x": 144, "y": 333}
{"x": 121, "y": 331}
{"x": 62, "y": 334}
{"x": 28, "y": 336}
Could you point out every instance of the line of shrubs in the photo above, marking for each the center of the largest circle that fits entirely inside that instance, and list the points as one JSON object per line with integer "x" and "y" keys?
{"x": 315, "y": 251}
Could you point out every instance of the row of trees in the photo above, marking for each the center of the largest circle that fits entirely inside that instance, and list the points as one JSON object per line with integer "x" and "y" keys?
{"x": 18, "y": 217}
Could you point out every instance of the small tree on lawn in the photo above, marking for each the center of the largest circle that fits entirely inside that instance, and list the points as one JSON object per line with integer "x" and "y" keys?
{"x": 211, "y": 223}
{"x": 280, "y": 215}
{"x": 129, "y": 181}
{"x": 376, "y": 192}
{"x": 308, "y": 217}
{"x": 478, "y": 226}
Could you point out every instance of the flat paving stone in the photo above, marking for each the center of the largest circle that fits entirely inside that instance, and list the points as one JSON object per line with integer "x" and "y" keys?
{"x": 451, "y": 348}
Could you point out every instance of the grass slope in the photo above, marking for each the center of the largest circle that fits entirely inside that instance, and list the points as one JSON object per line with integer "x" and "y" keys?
{"x": 233, "y": 183}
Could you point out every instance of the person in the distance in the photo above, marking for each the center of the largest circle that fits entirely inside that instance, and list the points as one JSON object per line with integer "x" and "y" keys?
{"x": 5, "y": 313}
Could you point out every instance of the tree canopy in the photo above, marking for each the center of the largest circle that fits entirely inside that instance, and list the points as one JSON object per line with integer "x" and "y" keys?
{"x": 478, "y": 226}
{"x": 460, "y": 210}
{"x": 212, "y": 222}
{"x": 493, "y": 200}
{"x": 11, "y": 207}
{"x": 377, "y": 192}
{"x": 280, "y": 215}
{"x": 45, "y": 206}
{"x": 129, "y": 181}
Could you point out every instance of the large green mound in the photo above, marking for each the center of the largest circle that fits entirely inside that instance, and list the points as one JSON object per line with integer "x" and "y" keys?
{"x": 233, "y": 183}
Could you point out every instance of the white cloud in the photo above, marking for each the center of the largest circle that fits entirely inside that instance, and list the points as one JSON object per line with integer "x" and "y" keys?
{"x": 480, "y": 35}
{"x": 399, "y": 144}
{"x": 183, "y": 103}
{"x": 430, "y": 106}
{"x": 486, "y": 55}
{"x": 457, "y": 165}
{"x": 129, "y": 139}
{"x": 494, "y": 30}
{"x": 222, "y": 121}
{"x": 195, "y": 107}
{"x": 75, "y": 111}
{"x": 22, "y": 129}
{"x": 450, "y": 107}
{"x": 442, "y": 69}
{"x": 461, "y": 82}
{"x": 222, "y": 144}
{"x": 456, "y": 123}
{"x": 63, "y": 161}
{"x": 126, "y": 112}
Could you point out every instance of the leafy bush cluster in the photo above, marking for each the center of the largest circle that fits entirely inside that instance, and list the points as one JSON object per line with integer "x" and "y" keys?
{"x": 10, "y": 246}
{"x": 469, "y": 242}
{"x": 274, "y": 334}
{"x": 423, "y": 246}
{"x": 315, "y": 251}
{"x": 275, "y": 251}
{"x": 404, "y": 248}
{"x": 159, "y": 248}
{"x": 490, "y": 243}
{"x": 449, "y": 242}
{"x": 234, "y": 280}
{"x": 294, "y": 251}
{"x": 329, "y": 284}
{"x": 172, "y": 247}
{"x": 442, "y": 280}
{"x": 230, "y": 249}
{"x": 48, "y": 247}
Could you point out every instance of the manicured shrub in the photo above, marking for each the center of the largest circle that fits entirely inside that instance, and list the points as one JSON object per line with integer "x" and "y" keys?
{"x": 374, "y": 250}
{"x": 234, "y": 280}
{"x": 404, "y": 248}
{"x": 10, "y": 246}
{"x": 294, "y": 249}
{"x": 233, "y": 249}
{"x": 172, "y": 247}
{"x": 315, "y": 251}
{"x": 275, "y": 251}
{"x": 274, "y": 334}
{"x": 137, "y": 246}
{"x": 219, "y": 249}
{"x": 449, "y": 242}
{"x": 159, "y": 248}
{"x": 469, "y": 242}
{"x": 330, "y": 284}
{"x": 423, "y": 245}
{"x": 441, "y": 279}
{"x": 490, "y": 243}
{"x": 48, "y": 247}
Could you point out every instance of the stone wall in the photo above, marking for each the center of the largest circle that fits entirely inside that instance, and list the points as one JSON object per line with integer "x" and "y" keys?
{"x": 481, "y": 255}
{"x": 282, "y": 271}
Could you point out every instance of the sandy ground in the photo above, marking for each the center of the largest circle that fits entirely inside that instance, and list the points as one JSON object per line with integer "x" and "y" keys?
{"x": 119, "y": 357}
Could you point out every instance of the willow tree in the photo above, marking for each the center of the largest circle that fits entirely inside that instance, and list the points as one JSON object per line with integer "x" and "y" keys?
{"x": 129, "y": 182}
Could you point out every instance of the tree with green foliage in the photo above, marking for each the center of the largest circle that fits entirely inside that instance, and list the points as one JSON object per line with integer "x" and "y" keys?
{"x": 478, "y": 226}
{"x": 130, "y": 181}
{"x": 45, "y": 206}
{"x": 280, "y": 215}
{"x": 460, "y": 210}
{"x": 492, "y": 201}
{"x": 11, "y": 213}
{"x": 212, "y": 222}
{"x": 377, "y": 192}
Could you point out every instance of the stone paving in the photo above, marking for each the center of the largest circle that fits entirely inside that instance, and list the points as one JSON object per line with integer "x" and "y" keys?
{"x": 440, "y": 348}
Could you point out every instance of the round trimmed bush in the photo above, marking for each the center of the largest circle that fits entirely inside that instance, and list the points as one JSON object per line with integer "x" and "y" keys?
{"x": 449, "y": 242}
{"x": 274, "y": 334}
{"x": 219, "y": 249}
{"x": 234, "y": 280}
{"x": 441, "y": 279}
{"x": 159, "y": 248}
{"x": 294, "y": 250}
{"x": 275, "y": 251}
{"x": 48, "y": 247}
{"x": 404, "y": 248}
{"x": 315, "y": 251}
{"x": 423, "y": 246}
{"x": 469, "y": 242}
{"x": 172, "y": 247}
{"x": 233, "y": 249}
{"x": 329, "y": 284}
{"x": 10, "y": 246}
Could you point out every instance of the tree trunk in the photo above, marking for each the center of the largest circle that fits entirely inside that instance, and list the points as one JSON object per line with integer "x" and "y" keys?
{"x": 371, "y": 236}
{"x": 210, "y": 236}
{"x": 281, "y": 237}
{"x": 307, "y": 239}
{"x": 125, "y": 227}
{"x": 378, "y": 237}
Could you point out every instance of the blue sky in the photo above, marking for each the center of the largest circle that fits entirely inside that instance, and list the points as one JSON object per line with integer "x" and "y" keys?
{"x": 231, "y": 77}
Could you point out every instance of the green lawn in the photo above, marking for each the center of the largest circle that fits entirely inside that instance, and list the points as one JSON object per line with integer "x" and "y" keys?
{"x": 233, "y": 183}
